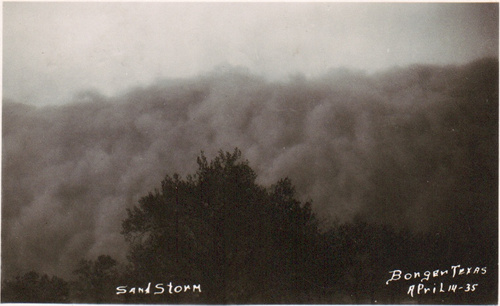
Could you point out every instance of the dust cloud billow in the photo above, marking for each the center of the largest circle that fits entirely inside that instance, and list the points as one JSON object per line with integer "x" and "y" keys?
{"x": 411, "y": 147}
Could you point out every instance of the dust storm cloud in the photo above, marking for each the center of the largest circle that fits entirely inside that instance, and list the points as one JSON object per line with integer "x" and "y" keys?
{"x": 411, "y": 147}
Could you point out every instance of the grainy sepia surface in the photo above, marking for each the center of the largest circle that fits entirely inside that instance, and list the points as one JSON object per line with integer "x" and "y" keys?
{"x": 383, "y": 117}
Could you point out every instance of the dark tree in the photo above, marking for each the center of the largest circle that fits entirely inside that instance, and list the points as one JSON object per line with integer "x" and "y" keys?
{"x": 35, "y": 288}
{"x": 218, "y": 228}
{"x": 96, "y": 281}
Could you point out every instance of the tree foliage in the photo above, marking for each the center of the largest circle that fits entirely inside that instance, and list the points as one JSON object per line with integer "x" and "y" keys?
{"x": 220, "y": 228}
{"x": 95, "y": 283}
{"x": 35, "y": 288}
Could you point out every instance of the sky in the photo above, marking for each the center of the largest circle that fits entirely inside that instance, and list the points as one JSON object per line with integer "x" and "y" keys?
{"x": 386, "y": 112}
{"x": 52, "y": 51}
